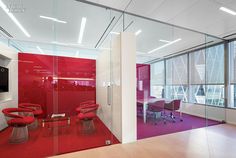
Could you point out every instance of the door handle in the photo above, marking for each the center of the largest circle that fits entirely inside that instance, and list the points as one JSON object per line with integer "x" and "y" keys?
{"x": 109, "y": 95}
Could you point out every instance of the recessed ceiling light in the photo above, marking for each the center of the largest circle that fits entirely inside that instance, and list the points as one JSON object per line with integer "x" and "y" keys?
{"x": 138, "y": 32}
{"x": 81, "y": 32}
{"x": 39, "y": 49}
{"x": 66, "y": 44}
{"x": 13, "y": 18}
{"x": 165, "y": 41}
{"x": 165, "y": 45}
{"x": 53, "y": 19}
{"x": 228, "y": 10}
{"x": 115, "y": 33}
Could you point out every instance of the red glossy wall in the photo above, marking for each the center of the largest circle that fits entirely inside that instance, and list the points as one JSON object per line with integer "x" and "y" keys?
{"x": 143, "y": 80}
{"x": 59, "y": 84}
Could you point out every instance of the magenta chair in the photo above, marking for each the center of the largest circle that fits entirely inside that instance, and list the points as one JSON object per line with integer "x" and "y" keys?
{"x": 18, "y": 118}
{"x": 173, "y": 106}
{"x": 87, "y": 115}
{"x": 156, "y": 108}
{"x": 37, "y": 111}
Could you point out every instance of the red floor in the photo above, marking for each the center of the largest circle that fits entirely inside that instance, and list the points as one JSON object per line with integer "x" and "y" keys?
{"x": 44, "y": 142}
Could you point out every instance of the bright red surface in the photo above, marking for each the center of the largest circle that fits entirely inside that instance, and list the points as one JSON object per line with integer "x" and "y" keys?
{"x": 59, "y": 84}
{"x": 44, "y": 142}
{"x": 143, "y": 78}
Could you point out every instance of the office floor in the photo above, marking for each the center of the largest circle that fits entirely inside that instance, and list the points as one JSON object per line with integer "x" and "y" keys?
{"x": 209, "y": 142}
{"x": 146, "y": 130}
{"x": 45, "y": 142}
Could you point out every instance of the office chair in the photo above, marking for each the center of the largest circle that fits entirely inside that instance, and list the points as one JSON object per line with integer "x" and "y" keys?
{"x": 173, "y": 106}
{"x": 156, "y": 108}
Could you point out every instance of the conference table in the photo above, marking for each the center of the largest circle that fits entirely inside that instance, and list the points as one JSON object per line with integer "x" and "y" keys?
{"x": 145, "y": 102}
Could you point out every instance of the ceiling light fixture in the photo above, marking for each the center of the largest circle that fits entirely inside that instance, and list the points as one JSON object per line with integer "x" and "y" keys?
{"x": 228, "y": 10}
{"x": 13, "y": 18}
{"x": 165, "y": 41}
{"x": 165, "y": 45}
{"x": 53, "y": 19}
{"x": 138, "y": 32}
{"x": 82, "y": 27}
{"x": 115, "y": 33}
{"x": 39, "y": 49}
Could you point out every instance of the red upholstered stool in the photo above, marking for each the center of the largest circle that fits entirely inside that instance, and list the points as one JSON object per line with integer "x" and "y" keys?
{"x": 37, "y": 111}
{"x": 87, "y": 121}
{"x": 16, "y": 118}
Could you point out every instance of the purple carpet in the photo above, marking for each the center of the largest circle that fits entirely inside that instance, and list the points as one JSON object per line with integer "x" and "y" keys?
{"x": 149, "y": 129}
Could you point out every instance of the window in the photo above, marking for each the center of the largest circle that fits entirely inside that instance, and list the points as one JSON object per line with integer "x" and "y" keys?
{"x": 197, "y": 77}
{"x": 197, "y": 65}
{"x": 232, "y": 66}
{"x": 215, "y": 75}
{"x": 157, "y": 79}
{"x": 177, "y": 78}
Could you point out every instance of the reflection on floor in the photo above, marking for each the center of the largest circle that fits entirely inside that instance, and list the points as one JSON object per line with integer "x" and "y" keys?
{"x": 146, "y": 130}
{"x": 46, "y": 142}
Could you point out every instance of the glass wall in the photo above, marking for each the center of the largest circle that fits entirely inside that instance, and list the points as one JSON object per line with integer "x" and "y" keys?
{"x": 64, "y": 68}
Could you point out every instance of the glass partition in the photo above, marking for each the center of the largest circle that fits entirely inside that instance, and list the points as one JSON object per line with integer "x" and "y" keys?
{"x": 174, "y": 64}
{"x": 64, "y": 72}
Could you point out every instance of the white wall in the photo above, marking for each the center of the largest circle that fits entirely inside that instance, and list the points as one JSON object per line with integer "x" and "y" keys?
{"x": 231, "y": 116}
{"x": 9, "y": 59}
{"x": 214, "y": 113}
{"x": 128, "y": 92}
{"x": 120, "y": 118}
{"x": 102, "y": 80}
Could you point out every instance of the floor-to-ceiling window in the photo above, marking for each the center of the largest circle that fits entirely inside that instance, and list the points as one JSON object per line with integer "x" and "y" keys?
{"x": 197, "y": 77}
{"x": 232, "y": 72}
{"x": 177, "y": 78}
{"x": 158, "y": 79}
{"x": 215, "y": 75}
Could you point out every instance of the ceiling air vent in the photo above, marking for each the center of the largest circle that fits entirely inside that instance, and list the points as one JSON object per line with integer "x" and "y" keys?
{"x": 5, "y": 32}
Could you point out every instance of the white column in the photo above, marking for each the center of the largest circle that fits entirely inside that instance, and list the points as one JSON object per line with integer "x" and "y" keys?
{"x": 128, "y": 87}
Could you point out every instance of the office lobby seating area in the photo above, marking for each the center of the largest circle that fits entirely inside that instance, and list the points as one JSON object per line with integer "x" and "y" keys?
{"x": 46, "y": 141}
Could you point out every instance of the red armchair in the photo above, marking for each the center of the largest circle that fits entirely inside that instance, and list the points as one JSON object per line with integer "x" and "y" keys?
{"x": 86, "y": 115}
{"x": 37, "y": 111}
{"x": 173, "y": 106}
{"x": 157, "y": 107}
{"x": 18, "y": 118}
{"x": 86, "y": 104}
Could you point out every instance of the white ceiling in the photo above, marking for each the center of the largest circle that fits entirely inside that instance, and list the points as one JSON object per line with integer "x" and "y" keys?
{"x": 201, "y": 15}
